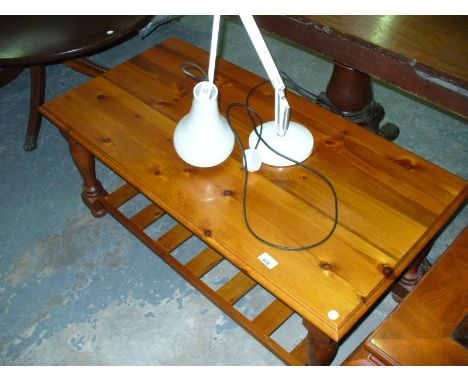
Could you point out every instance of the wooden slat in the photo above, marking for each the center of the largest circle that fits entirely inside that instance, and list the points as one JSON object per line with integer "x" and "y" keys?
{"x": 204, "y": 262}
{"x": 122, "y": 195}
{"x": 235, "y": 288}
{"x": 175, "y": 237}
{"x": 147, "y": 216}
{"x": 300, "y": 352}
{"x": 86, "y": 67}
{"x": 235, "y": 314}
{"x": 272, "y": 317}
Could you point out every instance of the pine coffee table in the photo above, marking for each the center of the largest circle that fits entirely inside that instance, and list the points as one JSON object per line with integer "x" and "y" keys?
{"x": 392, "y": 204}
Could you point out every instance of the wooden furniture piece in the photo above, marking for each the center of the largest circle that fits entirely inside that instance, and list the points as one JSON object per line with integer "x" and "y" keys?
{"x": 430, "y": 327}
{"x": 36, "y": 41}
{"x": 423, "y": 55}
{"x": 391, "y": 202}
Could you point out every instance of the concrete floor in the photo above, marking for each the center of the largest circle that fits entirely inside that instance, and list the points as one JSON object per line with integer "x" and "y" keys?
{"x": 75, "y": 290}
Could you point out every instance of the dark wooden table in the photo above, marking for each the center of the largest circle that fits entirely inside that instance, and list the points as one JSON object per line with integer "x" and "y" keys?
{"x": 35, "y": 41}
{"x": 427, "y": 56}
{"x": 392, "y": 203}
{"x": 430, "y": 327}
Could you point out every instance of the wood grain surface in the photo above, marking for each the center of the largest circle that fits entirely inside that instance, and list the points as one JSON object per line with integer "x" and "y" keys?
{"x": 391, "y": 202}
{"x": 440, "y": 42}
{"x": 423, "y": 55}
{"x": 421, "y": 330}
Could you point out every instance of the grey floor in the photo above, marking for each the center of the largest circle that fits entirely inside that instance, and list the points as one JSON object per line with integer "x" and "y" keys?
{"x": 75, "y": 290}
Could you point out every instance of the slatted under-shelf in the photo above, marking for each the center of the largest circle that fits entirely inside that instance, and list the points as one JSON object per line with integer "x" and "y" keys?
{"x": 261, "y": 327}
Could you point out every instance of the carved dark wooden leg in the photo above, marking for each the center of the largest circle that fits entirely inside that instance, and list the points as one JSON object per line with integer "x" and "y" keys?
{"x": 38, "y": 74}
{"x": 320, "y": 348}
{"x": 349, "y": 89}
{"x": 412, "y": 276}
{"x": 92, "y": 188}
{"x": 349, "y": 93}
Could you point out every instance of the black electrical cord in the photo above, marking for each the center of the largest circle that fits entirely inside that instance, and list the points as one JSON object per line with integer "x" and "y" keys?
{"x": 291, "y": 85}
{"x": 187, "y": 68}
{"x": 251, "y": 113}
{"x": 251, "y": 91}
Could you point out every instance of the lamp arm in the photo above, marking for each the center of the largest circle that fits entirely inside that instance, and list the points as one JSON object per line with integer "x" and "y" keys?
{"x": 282, "y": 109}
{"x": 213, "y": 48}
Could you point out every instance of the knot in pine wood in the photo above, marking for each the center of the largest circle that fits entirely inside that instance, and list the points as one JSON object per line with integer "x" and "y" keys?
{"x": 332, "y": 142}
{"x": 160, "y": 103}
{"x": 227, "y": 192}
{"x": 178, "y": 88}
{"x": 207, "y": 233}
{"x": 407, "y": 163}
{"x": 387, "y": 271}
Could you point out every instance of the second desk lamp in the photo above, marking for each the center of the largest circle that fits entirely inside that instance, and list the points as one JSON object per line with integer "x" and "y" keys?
{"x": 204, "y": 139}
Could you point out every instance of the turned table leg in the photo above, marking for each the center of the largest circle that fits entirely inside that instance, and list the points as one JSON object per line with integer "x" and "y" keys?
{"x": 412, "y": 276}
{"x": 92, "y": 188}
{"x": 349, "y": 93}
{"x": 349, "y": 89}
{"x": 320, "y": 348}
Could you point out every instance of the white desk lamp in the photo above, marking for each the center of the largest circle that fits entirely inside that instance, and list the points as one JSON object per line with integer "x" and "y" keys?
{"x": 203, "y": 137}
{"x": 289, "y": 138}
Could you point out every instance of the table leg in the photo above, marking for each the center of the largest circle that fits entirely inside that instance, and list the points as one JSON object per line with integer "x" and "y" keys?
{"x": 38, "y": 75}
{"x": 320, "y": 348}
{"x": 92, "y": 188}
{"x": 350, "y": 93}
{"x": 412, "y": 276}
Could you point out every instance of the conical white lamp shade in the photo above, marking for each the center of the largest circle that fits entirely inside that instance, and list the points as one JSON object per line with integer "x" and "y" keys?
{"x": 203, "y": 137}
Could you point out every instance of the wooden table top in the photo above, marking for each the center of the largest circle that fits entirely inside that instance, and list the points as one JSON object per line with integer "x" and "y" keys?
{"x": 391, "y": 202}
{"x": 421, "y": 330}
{"x": 440, "y": 42}
{"x": 424, "y": 55}
{"x": 39, "y": 39}
{"x": 430, "y": 326}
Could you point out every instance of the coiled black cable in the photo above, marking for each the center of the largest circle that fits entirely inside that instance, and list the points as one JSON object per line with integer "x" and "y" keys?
{"x": 187, "y": 68}
{"x": 252, "y": 113}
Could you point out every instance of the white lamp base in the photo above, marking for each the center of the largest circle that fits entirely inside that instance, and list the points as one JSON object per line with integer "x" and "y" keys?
{"x": 296, "y": 144}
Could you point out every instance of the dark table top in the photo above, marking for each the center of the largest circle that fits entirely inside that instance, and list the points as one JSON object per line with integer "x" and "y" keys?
{"x": 438, "y": 42}
{"x": 424, "y": 55}
{"x": 28, "y": 40}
